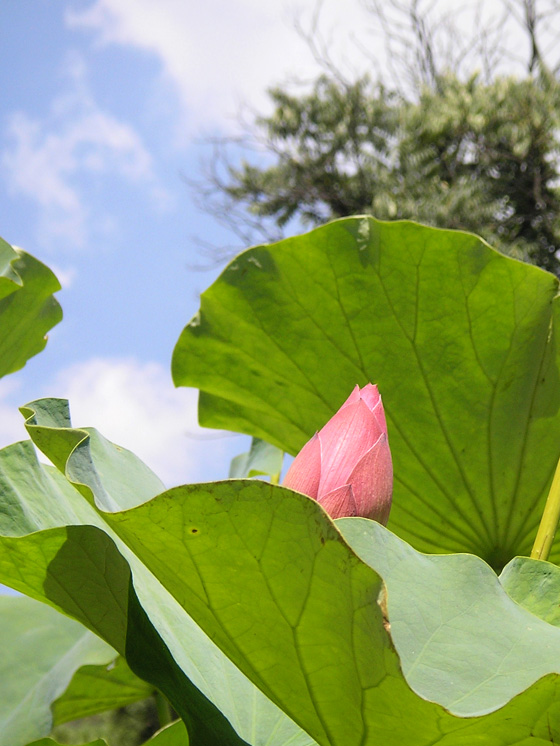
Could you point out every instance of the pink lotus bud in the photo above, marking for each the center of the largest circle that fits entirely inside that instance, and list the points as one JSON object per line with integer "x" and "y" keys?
{"x": 347, "y": 465}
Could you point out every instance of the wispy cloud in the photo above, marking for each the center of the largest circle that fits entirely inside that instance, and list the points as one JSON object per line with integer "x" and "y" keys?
{"x": 135, "y": 405}
{"x": 47, "y": 159}
{"x": 11, "y": 421}
{"x": 219, "y": 55}
{"x": 65, "y": 275}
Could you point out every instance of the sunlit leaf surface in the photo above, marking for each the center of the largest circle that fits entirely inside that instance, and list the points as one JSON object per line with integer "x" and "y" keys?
{"x": 461, "y": 340}
{"x": 271, "y": 581}
{"x": 28, "y": 309}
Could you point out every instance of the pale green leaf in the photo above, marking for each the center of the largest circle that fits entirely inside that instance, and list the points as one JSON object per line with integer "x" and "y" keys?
{"x": 40, "y": 651}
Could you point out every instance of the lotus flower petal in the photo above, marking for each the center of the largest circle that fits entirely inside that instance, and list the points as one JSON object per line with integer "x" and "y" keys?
{"x": 340, "y": 503}
{"x": 304, "y": 473}
{"x": 347, "y": 466}
{"x": 344, "y": 440}
{"x": 372, "y": 482}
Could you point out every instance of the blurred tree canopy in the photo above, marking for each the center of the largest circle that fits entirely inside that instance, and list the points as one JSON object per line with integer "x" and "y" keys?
{"x": 452, "y": 139}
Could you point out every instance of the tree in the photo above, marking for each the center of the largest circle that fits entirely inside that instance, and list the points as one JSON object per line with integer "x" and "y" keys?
{"x": 476, "y": 151}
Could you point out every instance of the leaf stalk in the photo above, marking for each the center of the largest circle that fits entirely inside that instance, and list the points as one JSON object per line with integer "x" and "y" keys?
{"x": 163, "y": 709}
{"x": 549, "y": 520}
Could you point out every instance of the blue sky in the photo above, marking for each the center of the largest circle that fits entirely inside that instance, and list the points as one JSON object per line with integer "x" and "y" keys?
{"x": 105, "y": 106}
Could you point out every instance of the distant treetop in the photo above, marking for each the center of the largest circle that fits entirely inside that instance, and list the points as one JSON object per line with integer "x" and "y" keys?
{"x": 478, "y": 152}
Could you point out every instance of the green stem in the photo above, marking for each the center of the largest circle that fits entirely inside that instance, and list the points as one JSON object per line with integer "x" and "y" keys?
{"x": 549, "y": 520}
{"x": 163, "y": 710}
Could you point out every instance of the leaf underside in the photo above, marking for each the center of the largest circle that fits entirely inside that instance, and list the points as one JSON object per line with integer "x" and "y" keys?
{"x": 461, "y": 340}
{"x": 265, "y": 574}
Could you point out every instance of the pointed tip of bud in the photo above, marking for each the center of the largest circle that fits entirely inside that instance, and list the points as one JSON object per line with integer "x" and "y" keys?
{"x": 347, "y": 466}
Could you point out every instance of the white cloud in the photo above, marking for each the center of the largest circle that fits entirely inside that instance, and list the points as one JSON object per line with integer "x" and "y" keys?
{"x": 218, "y": 54}
{"x": 11, "y": 421}
{"x": 65, "y": 275}
{"x": 135, "y": 405}
{"x": 46, "y": 159}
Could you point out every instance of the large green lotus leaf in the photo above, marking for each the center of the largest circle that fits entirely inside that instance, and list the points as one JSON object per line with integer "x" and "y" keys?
{"x": 27, "y": 307}
{"x": 340, "y": 660}
{"x": 269, "y": 577}
{"x": 34, "y": 497}
{"x": 461, "y": 340}
{"x": 40, "y": 650}
{"x": 264, "y": 572}
{"x": 97, "y": 688}
{"x": 535, "y": 585}
{"x": 462, "y": 640}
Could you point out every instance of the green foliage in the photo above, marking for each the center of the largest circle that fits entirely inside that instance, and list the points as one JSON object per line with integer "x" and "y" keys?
{"x": 96, "y": 689}
{"x": 27, "y": 307}
{"x": 473, "y": 155}
{"x": 461, "y": 340}
{"x": 65, "y": 554}
{"x": 484, "y": 158}
{"x": 172, "y": 735}
{"x": 535, "y": 585}
{"x": 261, "y": 620}
{"x": 262, "y": 459}
{"x": 308, "y": 632}
{"x": 317, "y": 139}
{"x": 465, "y": 628}
{"x": 44, "y": 650}
{"x": 129, "y": 725}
